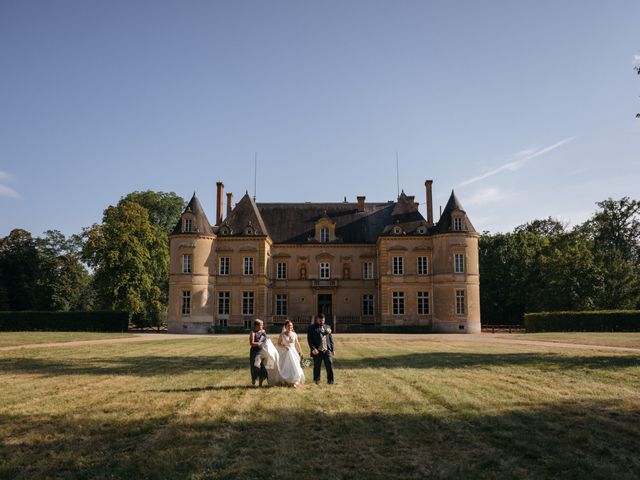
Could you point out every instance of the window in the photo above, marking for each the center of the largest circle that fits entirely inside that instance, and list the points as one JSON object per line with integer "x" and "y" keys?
{"x": 398, "y": 303}
{"x": 281, "y": 304}
{"x": 325, "y": 271}
{"x": 248, "y": 324}
{"x": 224, "y": 302}
{"x": 248, "y": 266}
{"x": 187, "y": 225}
{"x": 223, "y": 268}
{"x": 457, "y": 224}
{"x": 459, "y": 263}
{"x": 459, "y": 302}
{"x": 282, "y": 271}
{"x": 367, "y": 270}
{"x": 186, "y": 263}
{"x": 247, "y": 303}
{"x": 324, "y": 235}
{"x": 186, "y": 303}
{"x": 367, "y": 305}
{"x": 423, "y": 303}
{"x": 398, "y": 265}
{"x": 223, "y": 322}
{"x": 423, "y": 266}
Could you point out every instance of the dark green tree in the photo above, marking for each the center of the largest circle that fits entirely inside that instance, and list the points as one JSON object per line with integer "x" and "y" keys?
{"x": 130, "y": 258}
{"x": 20, "y": 271}
{"x": 164, "y": 208}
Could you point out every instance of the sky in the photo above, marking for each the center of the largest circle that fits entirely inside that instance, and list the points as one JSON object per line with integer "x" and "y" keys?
{"x": 525, "y": 108}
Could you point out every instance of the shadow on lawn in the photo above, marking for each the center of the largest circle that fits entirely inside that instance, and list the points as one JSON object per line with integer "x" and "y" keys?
{"x": 167, "y": 365}
{"x": 564, "y": 440}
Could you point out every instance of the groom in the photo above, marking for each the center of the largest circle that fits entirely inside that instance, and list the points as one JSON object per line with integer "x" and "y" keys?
{"x": 321, "y": 345}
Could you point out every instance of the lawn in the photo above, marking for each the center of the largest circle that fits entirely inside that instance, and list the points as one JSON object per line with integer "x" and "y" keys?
{"x": 631, "y": 340}
{"x": 8, "y": 339}
{"x": 402, "y": 407}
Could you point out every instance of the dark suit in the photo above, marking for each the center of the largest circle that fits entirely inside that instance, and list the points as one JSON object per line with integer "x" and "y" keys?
{"x": 315, "y": 335}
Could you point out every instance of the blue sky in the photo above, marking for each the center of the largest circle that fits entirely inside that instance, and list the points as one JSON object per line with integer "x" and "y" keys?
{"x": 525, "y": 108}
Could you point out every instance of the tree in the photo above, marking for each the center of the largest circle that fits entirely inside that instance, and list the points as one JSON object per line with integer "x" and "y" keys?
{"x": 164, "y": 208}
{"x": 130, "y": 256}
{"x": 615, "y": 232}
{"x": 64, "y": 280}
{"x": 19, "y": 271}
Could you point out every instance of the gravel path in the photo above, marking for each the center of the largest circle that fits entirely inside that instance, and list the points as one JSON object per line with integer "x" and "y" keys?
{"x": 484, "y": 338}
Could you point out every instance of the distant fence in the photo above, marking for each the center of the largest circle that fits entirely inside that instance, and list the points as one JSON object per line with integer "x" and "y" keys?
{"x": 503, "y": 328}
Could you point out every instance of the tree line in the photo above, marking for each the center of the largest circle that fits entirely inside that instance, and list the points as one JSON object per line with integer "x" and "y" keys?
{"x": 545, "y": 266}
{"x": 120, "y": 264}
{"x": 123, "y": 263}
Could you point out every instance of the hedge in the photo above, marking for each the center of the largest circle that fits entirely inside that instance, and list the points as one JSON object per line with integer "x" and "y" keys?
{"x": 596, "y": 321}
{"x": 104, "y": 321}
{"x": 384, "y": 329}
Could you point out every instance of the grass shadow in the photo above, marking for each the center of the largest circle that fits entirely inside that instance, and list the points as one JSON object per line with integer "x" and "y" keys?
{"x": 572, "y": 440}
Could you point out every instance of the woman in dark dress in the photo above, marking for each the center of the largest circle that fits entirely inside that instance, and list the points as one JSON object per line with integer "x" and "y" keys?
{"x": 256, "y": 339}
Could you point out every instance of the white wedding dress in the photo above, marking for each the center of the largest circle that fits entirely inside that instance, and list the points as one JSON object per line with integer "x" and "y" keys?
{"x": 289, "y": 362}
{"x": 282, "y": 365}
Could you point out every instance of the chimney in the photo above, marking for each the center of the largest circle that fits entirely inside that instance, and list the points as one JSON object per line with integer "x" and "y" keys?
{"x": 220, "y": 189}
{"x": 361, "y": 203}
{"x": 428, "y": 184}
{"x": 229, "y": 202}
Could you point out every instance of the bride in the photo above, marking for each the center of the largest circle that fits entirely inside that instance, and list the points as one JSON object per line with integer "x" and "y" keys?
{"x": 290, "y": 354}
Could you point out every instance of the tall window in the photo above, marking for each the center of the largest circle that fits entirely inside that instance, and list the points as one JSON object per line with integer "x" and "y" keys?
{"x": 367, "y": 305}
{"x": 187, "y": 225}
{"x": 325, "y": 271}
{"x": 423, "y": 303}
{"x": 224, "y": 301}
{"x": 460, "y": 302}
{"x": 457, "y": 224}
{"x": 248, "y": 266}
{"x": 223, "y": 268}
{"x": 186, "y": 263}
{"x": 423, "y": 266}
{"x": 398, "y": 265}
{"x": 324, "y": 234}
{"x": 186, "y": 303}
{"x": 281, "y": 271}
{"x": 367, "y": 270}
{"x": 398, "y": 303}
{"x": 247, "y": 303}
{"x": 281, "y": 304}
{"x": 459, "y": 263}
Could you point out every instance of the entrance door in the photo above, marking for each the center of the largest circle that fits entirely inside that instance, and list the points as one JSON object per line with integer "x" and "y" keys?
{"x": 324, "y": 306}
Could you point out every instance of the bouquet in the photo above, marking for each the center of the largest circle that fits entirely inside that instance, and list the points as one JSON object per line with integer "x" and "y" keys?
{"x": 305, "y": 362}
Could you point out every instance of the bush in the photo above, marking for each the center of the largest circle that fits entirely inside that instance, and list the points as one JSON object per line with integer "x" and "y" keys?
{"x": 596, "y": 321}
{"x": 219, "y": 329}
{"x": 64, "y": 321}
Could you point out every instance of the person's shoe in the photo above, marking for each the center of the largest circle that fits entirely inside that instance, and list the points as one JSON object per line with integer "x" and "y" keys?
{"x": 330, "y": 383}
{"x": 317, "y": 382}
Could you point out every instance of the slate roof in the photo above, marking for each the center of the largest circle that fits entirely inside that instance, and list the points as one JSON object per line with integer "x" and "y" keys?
{"x": 295, "y": 222}
{"x": 444, "y": 224}
{"x": 201, "y": 224}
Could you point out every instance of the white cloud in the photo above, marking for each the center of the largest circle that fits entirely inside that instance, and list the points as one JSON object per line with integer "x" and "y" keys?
{"x": 8, "y": 192}
{"x": 518, "y": 161}
{"x": 636, "y": 60}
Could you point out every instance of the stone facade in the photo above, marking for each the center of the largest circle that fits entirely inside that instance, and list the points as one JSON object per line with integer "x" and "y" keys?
{"x": 369, "y": 263}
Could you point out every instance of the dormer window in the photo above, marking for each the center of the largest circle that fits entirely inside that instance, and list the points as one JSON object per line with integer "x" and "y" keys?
{"x": 457, "y": 224}
{"x": 248, "y": 231}
{"x": 422, "y": 230}
{"x": 325, "y": 230}
{"x": 224, "y": 231}
{"x": 187, "y": 225}
{"x": 397, "y": 230}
